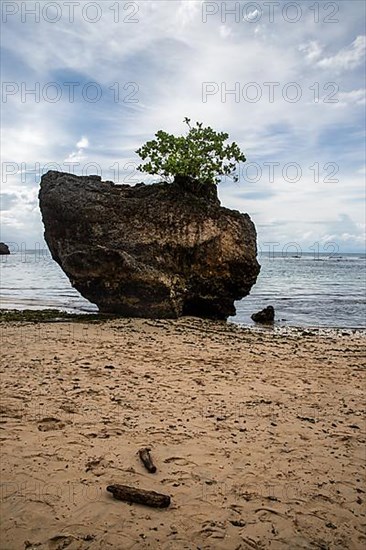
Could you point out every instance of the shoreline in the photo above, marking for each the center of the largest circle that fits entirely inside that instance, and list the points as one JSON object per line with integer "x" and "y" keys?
{"x": 52, "y": 315}
{"x": 258, "y": 437}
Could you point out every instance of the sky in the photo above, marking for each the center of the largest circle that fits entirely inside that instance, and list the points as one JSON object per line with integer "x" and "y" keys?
{"x": 84, "y": 84}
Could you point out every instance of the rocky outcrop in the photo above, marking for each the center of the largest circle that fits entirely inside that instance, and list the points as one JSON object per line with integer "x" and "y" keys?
{"x": 4, "y": 249}
{"x": 265, "y": 316}
{"x": 161, "y": 250}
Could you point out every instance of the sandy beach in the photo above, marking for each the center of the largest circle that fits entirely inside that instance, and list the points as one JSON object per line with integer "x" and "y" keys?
{"x": 258, "y": 436}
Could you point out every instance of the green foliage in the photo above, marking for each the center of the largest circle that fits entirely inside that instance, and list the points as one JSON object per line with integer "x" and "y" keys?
{"x": 200, "y": 154}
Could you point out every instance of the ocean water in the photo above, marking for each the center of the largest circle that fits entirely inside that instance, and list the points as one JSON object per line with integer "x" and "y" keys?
{"x": 310, "y": 291}
{"x": 306, "y": 291}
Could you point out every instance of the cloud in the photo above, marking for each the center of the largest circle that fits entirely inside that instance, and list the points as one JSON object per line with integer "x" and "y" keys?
{"x": 252, "y": 16}
{"x": 7, "y": 200}
{"x": 163, "y": 61}
{"x": 312, "y": 50}
{"x": 344, "y": 225}
{"x": 225, "y": 31}
{"x": 76, "y": 157}
{"x": 347, "y": 58}
{"x": 83, "y": 143}
{"x": 354, "y": 97}
{"x": 260, "y": 195}
{"x": 188, "y": 11}
{"x": 342, "y": 233}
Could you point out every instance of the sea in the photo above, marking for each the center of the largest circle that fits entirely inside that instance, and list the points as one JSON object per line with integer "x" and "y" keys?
{"x": 306, "y": 290}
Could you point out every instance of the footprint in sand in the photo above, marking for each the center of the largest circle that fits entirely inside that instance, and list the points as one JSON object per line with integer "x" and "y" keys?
{"x": 178, "y": 460}
{"x": 97, "y": 466}
{"x": 50, "y": 423}
{"x": 214, "y": 529}
{"x": 59, "y": 542}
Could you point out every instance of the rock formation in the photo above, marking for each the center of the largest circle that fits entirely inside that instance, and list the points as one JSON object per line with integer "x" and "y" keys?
{"x": 4, "y": 249}
{"x": 161, "y": 250}
{"x": 265, "y": 316}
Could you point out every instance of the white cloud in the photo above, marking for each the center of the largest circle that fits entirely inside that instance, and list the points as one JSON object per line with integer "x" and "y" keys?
{"x": 75, "y": 157}
{"x": 312, "y": 50}
{"x": 170, "y": 53}
{"x": 347, "y": 58}
{"x": 341, "y": 240}
{"x": 83, "y": 143}
{"x": 307, "y": 235}
{"x": 78, "y": 156}
{"x": 188, "y": 11}
{"x": 225, "y": 31}
{"x": 356, "y": 97}
{"x": 251, "y": 16}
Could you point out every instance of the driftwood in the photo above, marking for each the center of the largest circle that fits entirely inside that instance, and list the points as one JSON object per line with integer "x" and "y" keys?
{"x": 147, "y": 460}
{"x": 139, "y": 496}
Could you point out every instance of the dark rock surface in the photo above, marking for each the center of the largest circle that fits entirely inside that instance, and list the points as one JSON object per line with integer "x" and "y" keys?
{"x": 265, "y": 316}
{"x": 4, "y": 249}
{"x": 161, "y": 250}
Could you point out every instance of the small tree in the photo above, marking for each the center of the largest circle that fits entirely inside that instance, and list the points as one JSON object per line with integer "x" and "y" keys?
{"x": 200, "y": 154}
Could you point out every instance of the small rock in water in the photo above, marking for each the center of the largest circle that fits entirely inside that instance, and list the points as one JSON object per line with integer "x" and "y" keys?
{"x": 4, "y": 249}
{"x": 265, "y": 316}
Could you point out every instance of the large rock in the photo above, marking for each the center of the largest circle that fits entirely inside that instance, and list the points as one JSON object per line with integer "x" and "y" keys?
{"x": 4, "y": 249}
{"x": 161, "y": 250}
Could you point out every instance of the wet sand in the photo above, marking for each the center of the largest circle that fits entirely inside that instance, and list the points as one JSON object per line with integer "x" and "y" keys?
{"x": 258, "y": 437}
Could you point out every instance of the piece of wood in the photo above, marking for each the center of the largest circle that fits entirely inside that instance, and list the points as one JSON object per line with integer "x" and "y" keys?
{"x": 147, "y": 460}
{"x": 139, "y": 496}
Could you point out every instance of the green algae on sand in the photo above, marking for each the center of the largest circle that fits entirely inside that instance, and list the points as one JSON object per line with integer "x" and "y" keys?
{"x": 49, "y": 315}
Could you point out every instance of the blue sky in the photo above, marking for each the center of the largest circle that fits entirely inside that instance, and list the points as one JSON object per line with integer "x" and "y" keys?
{"x": 295, "y": 70}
